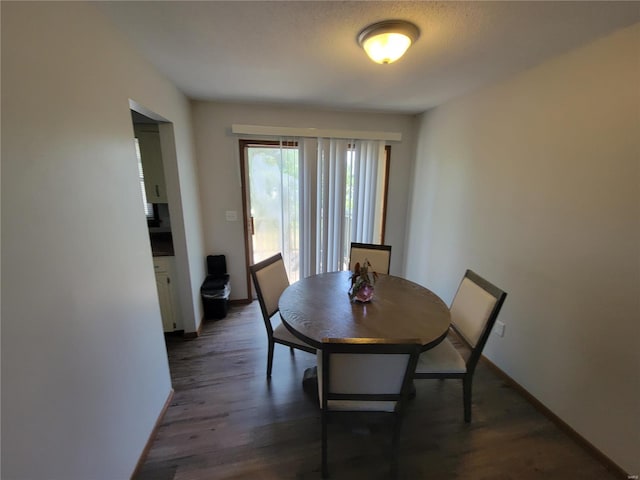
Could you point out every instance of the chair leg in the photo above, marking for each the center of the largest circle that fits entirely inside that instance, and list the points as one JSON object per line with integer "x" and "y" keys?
{"x": 325, "y": 468}
{"x": 466, "y": 397}
{"x": 394, "y": 446}
{"x": 292, "y": 350}
{"x": 270, "y": 358}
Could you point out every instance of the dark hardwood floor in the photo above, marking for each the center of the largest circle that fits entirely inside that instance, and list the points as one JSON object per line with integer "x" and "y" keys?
{"x": 226, "y": 421}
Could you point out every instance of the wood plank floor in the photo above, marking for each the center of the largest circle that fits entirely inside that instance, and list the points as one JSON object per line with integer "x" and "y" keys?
{"x": 227, "y": 421}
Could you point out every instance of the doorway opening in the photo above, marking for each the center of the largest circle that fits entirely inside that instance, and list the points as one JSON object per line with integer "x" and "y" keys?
{"x": 155, "y": 205}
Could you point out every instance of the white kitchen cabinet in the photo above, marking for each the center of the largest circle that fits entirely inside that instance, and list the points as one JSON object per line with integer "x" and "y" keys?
{"x": 167, "y": 293}
{"x": 151, "y": 154}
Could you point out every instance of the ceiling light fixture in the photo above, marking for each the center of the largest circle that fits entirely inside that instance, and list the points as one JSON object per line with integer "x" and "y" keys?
{"x": 386, "y": 42}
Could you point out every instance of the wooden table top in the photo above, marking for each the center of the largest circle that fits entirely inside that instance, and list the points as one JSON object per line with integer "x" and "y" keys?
{"x": 319, "y": 307}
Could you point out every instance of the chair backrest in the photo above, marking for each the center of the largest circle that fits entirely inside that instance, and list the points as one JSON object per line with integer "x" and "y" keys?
{"x": 270, "y": 280}
{"x": 379, "y": 256}
{"x": 366, "y": 374}
{"x": 474, "y": 310}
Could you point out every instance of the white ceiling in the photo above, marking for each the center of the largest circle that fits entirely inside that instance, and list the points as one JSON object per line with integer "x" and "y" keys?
{"x": 305, "y": 52}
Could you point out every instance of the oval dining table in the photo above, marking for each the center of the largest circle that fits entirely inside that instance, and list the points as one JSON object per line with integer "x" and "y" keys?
{"x": 319, "y": 307}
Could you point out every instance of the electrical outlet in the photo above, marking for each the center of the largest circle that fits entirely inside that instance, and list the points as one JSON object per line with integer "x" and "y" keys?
{"x": 498, "y": 328}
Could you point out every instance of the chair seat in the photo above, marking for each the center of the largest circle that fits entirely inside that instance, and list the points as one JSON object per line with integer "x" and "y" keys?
{"x": 442, "y": 359}
{"x": 281, "y": 333}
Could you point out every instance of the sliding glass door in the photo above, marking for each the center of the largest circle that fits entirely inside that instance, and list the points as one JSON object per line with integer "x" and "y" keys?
{"x": 309, "y": 198}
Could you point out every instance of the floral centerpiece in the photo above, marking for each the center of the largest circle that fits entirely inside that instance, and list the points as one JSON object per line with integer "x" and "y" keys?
{"x": 362, "y": 281}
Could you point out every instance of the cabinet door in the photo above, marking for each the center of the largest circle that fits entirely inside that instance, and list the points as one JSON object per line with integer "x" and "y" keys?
{"x": 151, "y": 154}
{"x": 163, "y": 282}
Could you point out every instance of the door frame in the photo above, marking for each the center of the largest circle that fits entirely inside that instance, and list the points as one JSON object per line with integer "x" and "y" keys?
{"x": 246, "y": 218}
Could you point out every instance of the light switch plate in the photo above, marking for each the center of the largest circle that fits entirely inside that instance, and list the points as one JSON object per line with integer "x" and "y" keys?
{"x": 498, "y": 328}
{"x": 232, "y": 216}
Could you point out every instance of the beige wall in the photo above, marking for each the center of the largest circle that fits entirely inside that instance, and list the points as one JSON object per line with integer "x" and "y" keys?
{"x": 84, "y": 364}
{"x": 219, "y": 169}
{"x": 534, "y": 183}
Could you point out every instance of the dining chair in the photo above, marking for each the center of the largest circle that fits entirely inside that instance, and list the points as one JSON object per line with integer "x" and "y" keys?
{"x": 270, "y": 280}
{"x": 367, "y": 376}
{"x": 379, "y": 256}
{"x": 474, "y": 310}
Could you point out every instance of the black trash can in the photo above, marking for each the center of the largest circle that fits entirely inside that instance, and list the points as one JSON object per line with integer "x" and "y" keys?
{"x": 215, "y": 289}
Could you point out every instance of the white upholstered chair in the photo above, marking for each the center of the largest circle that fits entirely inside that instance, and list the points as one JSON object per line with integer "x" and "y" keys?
{"x": 474, "y": 310}
{"x": 270, "y": 280}
{"x": 365, "y": 375}
{"x": 379, "y": 256}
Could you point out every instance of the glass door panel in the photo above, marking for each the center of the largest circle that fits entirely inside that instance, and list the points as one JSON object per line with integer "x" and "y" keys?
{"x": 273, "y": 198}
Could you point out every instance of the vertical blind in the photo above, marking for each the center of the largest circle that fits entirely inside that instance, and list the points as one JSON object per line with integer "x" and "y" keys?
{"x": 340, "y": 192}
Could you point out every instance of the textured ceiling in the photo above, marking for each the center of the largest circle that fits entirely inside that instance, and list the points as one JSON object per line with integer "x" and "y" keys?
{"x": 305, "y": 52}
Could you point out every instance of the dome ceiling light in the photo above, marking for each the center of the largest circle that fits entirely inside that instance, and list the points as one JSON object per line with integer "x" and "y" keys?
{"x": 386, "y": 42}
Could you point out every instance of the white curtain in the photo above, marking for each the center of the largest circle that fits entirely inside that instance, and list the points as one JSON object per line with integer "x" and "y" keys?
{"x": 340, "y": 194}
